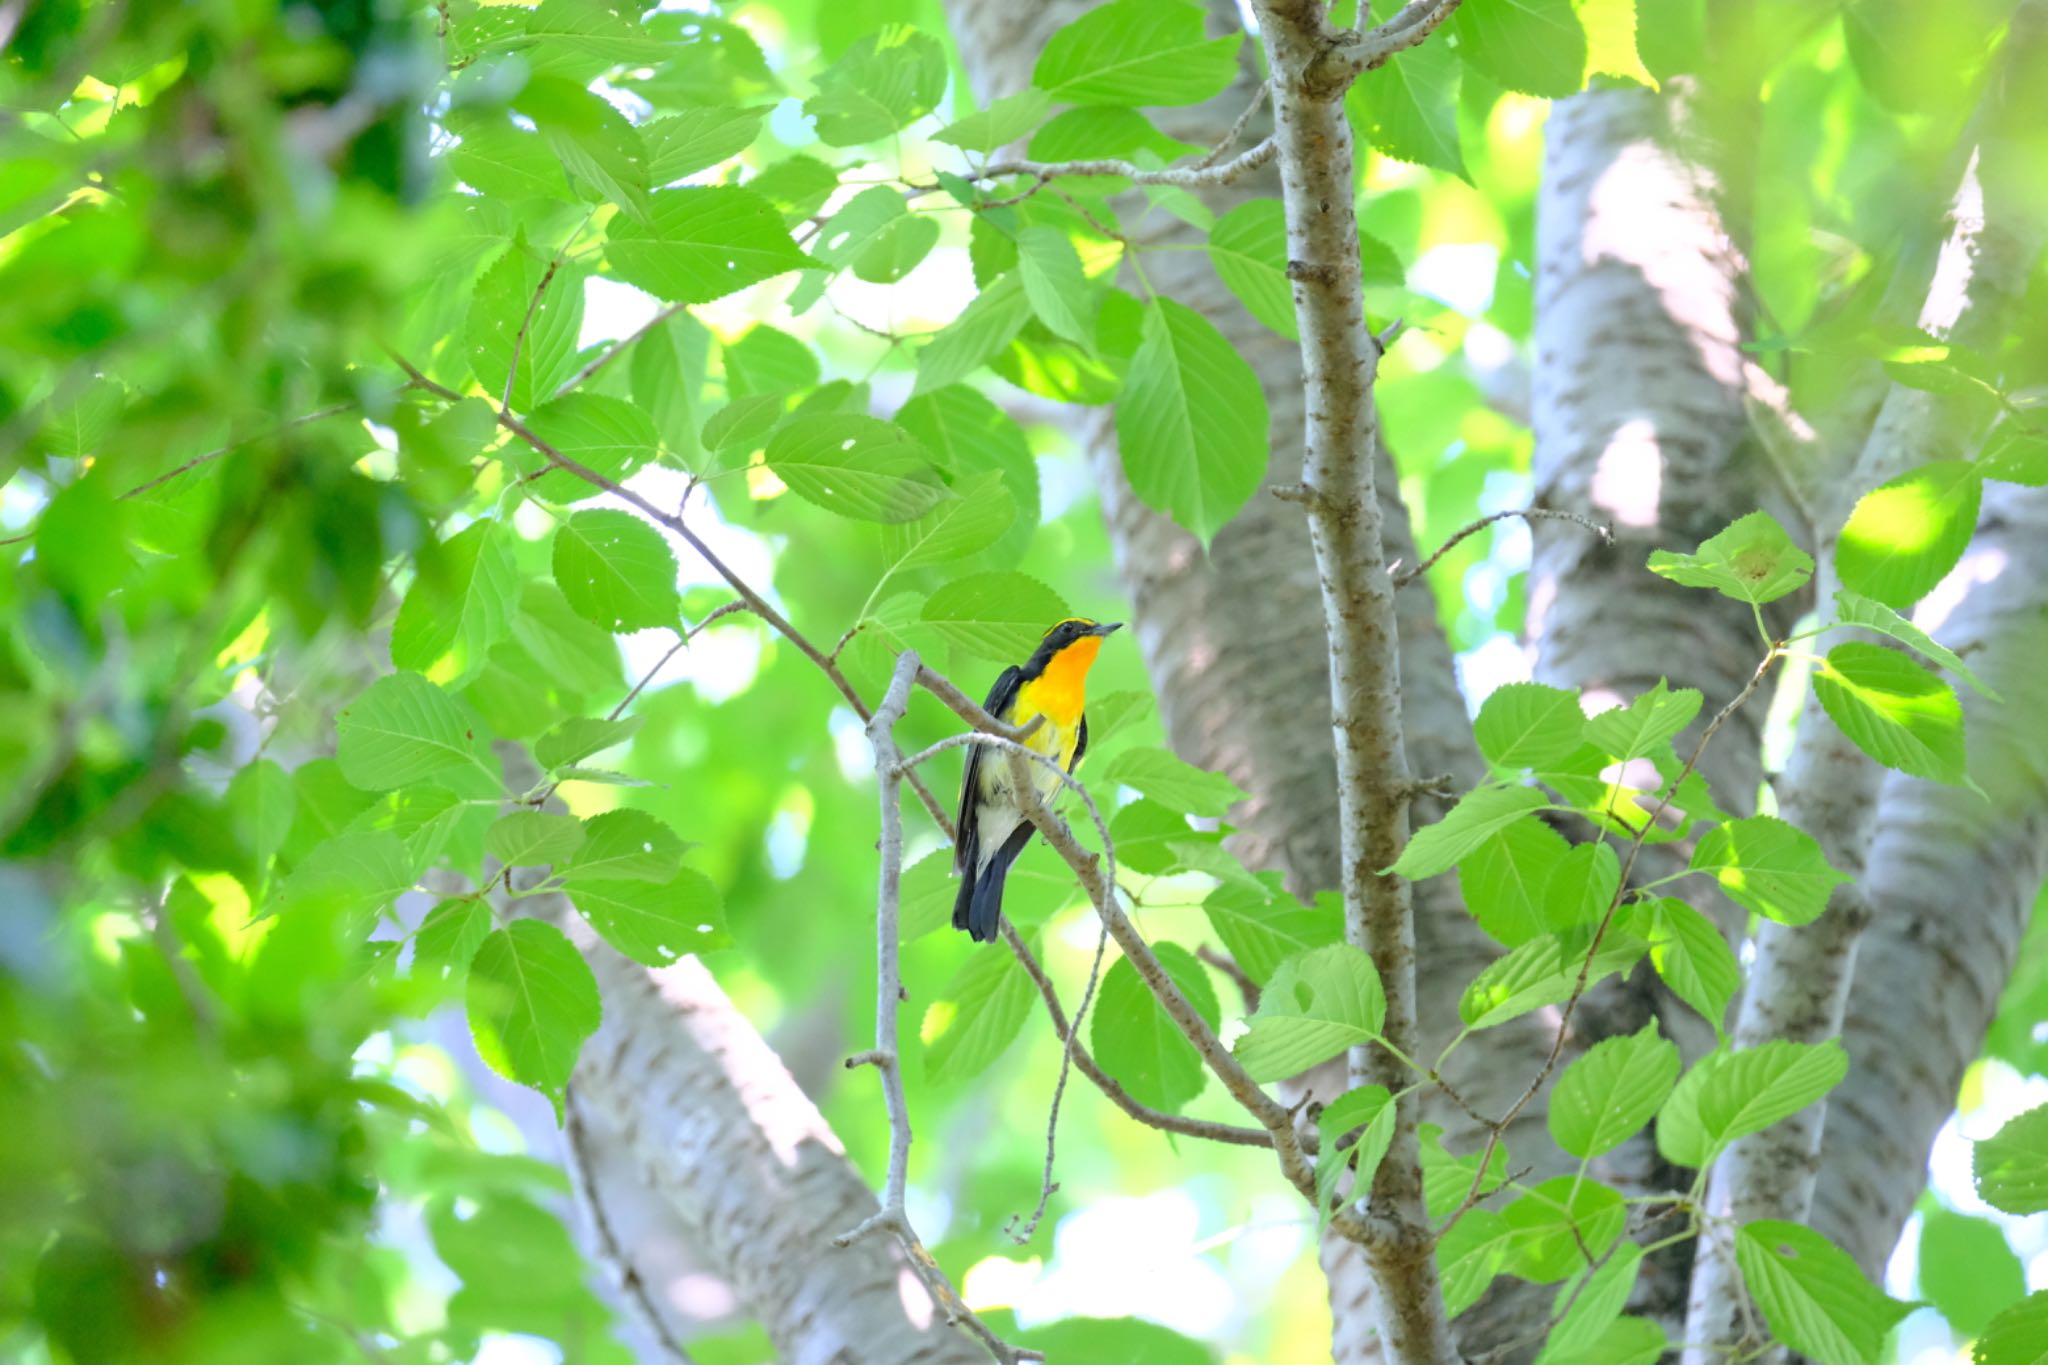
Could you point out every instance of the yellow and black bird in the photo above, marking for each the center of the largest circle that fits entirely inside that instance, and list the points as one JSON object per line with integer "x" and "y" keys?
{"x": 1053, "y": 683}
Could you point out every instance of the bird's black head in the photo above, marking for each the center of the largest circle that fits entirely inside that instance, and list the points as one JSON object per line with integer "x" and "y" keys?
{"x": 1068, "y": 632}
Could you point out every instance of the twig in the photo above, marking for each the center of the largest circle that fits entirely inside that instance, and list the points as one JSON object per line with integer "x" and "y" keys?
{"x": 1227, "y": 965}
{"x": 615, "y": 350}
{"x": 540, "y": 291}
{"x": 1411, "y": 26}
{"x": 1230, "y": 138}
{"x": 1046, "y": 1185}
{"x": 1407, "y": 576}
{"x": 885, "y": 1057}
{"x": 611, "y": 1251}
{"x": 1204, "y": 175}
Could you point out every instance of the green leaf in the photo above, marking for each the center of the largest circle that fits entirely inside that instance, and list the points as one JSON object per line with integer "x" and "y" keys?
{"x": 449, "y": 937}
{"x": 1692, "y": 958}
{"x": 1607, "y": 1095}
{"x": 460, "y": 603}
{"x": 969, "y": 435}
{"x": 883, "y": 83}
{"x": 1535, "y": 46}
{"x": 608, "y": 436}
{"x": 1262, "y": 932}
{"x": 568, "y": 649}
{"x": 1894, "y": 710}
{"x": 352, "y": 877}
{"x": 1003, "y": 122}
{"x": 996, "y": 616}
{"x": 1408, "y": 109}
{"x": 989, "y": 322}
{"x": 701, "y": 244}
{"x": 595, "y": 30}
{"x": 1248, "y": 248}
{"x": 1471, "y": 1254}
{"x": 1579, "y": 1337}
{"x": 1753, "y": 561}
{"x": 855, "y": 466}
{"x": 1854, "y": 609}
{"x": 531, "y": 1003}
{"x": 1192, "y": 420}
{"x": 1968, "y": 1269}
{"x": 1728, "y": 1095}
{"x": 2012, "y": 1165}
{"x": 502, "y": 307}
{"x": 743, "y": 424}
{"x": 528, "y": 838}
{"x": 1136, "y": 52}
{"x": 1138, "y": 1045}
{"x": 2015, "y": 455}
{"x": 1528, "y": 725}
{"x": 1371, "y": 1106}
{"x": 1479, "y": 815}
{"x": 1627, "y": 1341}
{"x": 1505, "y": 877}
{"x": 1582, "y": 888}
{"x": 263, "y": 802}
{"x": 976, "y": 1017}
{"x": 401, "y": 729}
{"x": 697, "y": 139}
{"x": 1561, "y": 1226}
{"x": 654, "y": 923}
{"x": 1645, "y": 725}
{"x": 625, "y": 845}
{"x": 578, "y": 738}
{"x": 1446, "y": 1179}
{"x": 667, "y": 367}
{"x": 616, "y": 571}
{"x": 1317, "y": 1005}
{"x": 795, "y": 187}
{"x": 599, "y": 149}
{"x": 2018, "y": 1336}
{"x": 1768, "y": 866}
{"x": 498, "y": 159}
{"x": 961, "y": 525}
{"x": 1128, "y": 1341}
{"x": 1905, "y": 535}
{"x": 1055, "y": 285}
{"x": 1813, "y": 1295}
{"x": 1542, "y": 972}
{"x": 1166, "y": 777}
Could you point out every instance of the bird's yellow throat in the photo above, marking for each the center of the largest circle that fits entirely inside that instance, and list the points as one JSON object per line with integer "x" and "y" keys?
{"x": 1061, "y": 692}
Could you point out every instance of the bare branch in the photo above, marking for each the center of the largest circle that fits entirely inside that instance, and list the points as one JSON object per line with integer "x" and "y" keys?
{"x": 540, "y": 292}
{"x": 1205, "y": 174}
{"x": 615, "y": 350}
{"x": 1046, "y": 1185}
{"x": 1407, "y": 576}
{"x": 1409, "y": 28}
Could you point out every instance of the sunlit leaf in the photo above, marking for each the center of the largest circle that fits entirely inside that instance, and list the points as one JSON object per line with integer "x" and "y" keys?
{"x": 1753, "y": 560}
{"x": 1316, "y": 1005}
{"x": 1478, "y": 816}
{"x": 1769, "y": 866}
{"x": 1905, "y": 536}
{"x": 1894, "y": 710}
{"x": 1607, "y": 1095}
{"x": 1814, "y": 1296}
{"x": 1191, "y": 423}
{"x": 1136, "y": 52}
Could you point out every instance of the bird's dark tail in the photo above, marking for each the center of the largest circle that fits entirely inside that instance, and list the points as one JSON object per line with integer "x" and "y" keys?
{"x": 979, "y": 906}
{"x": 963, "y": 903}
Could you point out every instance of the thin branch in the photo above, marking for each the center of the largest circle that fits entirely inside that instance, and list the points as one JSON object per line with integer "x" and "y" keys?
{"x": 885, "y": 1057}
{"x": 1408, "y": 28}
{"x": 610, "y": 1249}
{"x": 1407, "y": 576}
{"x": 540, "y": 291}
{"x": 1224, "y": 963}
{"x": 1046, "y": 1185}
{"x": 1203, "y": 175}
{"x": 1230, "y": 138}
{"x": 615, "y": 350}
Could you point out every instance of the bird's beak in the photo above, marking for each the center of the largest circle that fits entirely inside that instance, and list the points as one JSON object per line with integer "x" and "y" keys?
{"x": 1108, "y": 628}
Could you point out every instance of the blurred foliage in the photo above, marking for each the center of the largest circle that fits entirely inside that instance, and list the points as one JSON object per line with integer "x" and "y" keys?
{"x": 297, "y": 636}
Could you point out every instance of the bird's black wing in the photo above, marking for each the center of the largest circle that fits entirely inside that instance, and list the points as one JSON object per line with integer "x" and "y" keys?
{"x": 1080, "y": 746}
{"x": 1001, "y": 699}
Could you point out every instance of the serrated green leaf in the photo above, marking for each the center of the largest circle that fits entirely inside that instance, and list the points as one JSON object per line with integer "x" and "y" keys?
{"x": 1167, "y": 778}
{"x": 1317, "y": 1005}
{"x": 742, "y": 425}
{"x": 616, "y": 571}
{"x": 1446, "y": 1179}
{"x": 1408, "y": 109}
{"x": 1535, "y": 46}
{"x": 460, "y": 603}
{"x": 1260, "y": 931}
{"x": 1137, "y": 52}
{"x": 996, "y": 616}
{"x": 2013, "y": 454}
{"x": 1135, "y": 1041}
{"x": 1748, "y": 1090}
{"x": 654, "y": 923}
{"x": 1968, "y": 1269}
{"x": 1769, "y": 866}
{"x": 701, "y": 244}
{"x": 1854, "y": 609}
{"x": 1813, "y": 1295}
{"x": 531, "y": 1002}
{"x": 976, "y": 1017}
{"x": 881, "y": 84}
{"x": 1559, "y": 1224}
{"x": 1528, "y": 725}
{"x": 351, "y": 877}
{"x": 579, "y": 737}
{"x": 506, "y": 331}
{"x": 1753, "y": 561}
{"x": 622, "y": 845}
{"x": 1582, "y": 887}
{"x": 528, "y": 838}
{"x": 498, "y": 159}
{"x": 568, "y": 649}
{"x": 1001, "y": 123}
{"x": 968, "y": 435}
{"x": 855, "y": 466}
{"x": 2018, "y": 1336}
{"x": 1191, "y": 423}
{"x": 2012, "y": 1165}
{"x": 1904, "y": 536}
{"x": 1894, "y": 710}
{"x": 1479, "y": 815}
{"x": 1543, "y": 972}
{"x": 1470, "y": 1255}
{"x": 1578, "y": 1339}
{"x": 1645, "y": 725}
{"x": 608, "y": 436}
{"x": 989, "y": 322}
{"x": 1607, "y": 1095}
{"x": 1505, "y": 877}
{"x": 1055, "y": 285}
{"x": 401, "y": 729}
{"x": 1693, "y": 959}
{"x": 1371, "y": 1111}
{"x": 449, "y": 936}
{"x": 972, "y": 520}
{"x": 694, "y": 140}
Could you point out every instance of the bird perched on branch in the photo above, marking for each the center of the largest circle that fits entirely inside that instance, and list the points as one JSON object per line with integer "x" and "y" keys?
{"x": 1052, "y": 685}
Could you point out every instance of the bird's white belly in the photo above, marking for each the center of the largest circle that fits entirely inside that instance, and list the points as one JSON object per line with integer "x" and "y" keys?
{"x": 1000, "y": 814}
